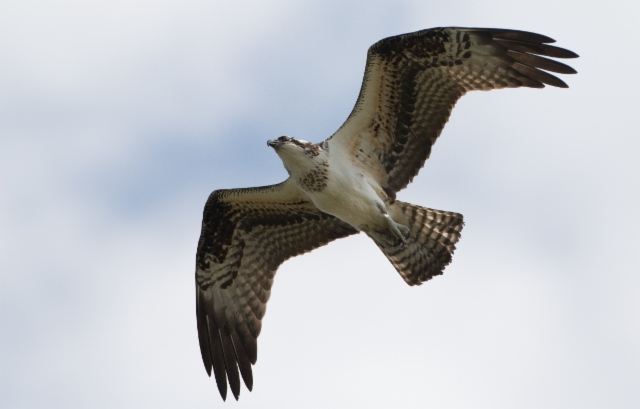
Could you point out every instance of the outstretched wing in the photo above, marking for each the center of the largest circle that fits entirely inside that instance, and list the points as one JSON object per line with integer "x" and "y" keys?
{"x": 412, "y": 82}
{"x": 246, "y": 235}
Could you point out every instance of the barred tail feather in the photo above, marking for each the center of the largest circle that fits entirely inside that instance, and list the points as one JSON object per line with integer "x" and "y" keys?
{"x": 430, "y": 245}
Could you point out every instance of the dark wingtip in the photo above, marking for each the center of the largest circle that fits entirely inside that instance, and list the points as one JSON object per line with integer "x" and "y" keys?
{"x": 223, "y": 392}
{"x": 217, "y": 356}
{"x": 244, "y": 364}
{"x": 235, "y": 388}
{"x": 537, "y": 48}
{"x": 203, "y": 334}
{"x": 538, "y": 75}
{"x": 519, "y": 35}
{"x": 230, "y": 362}
{"x": 570, "y": 54}
{"x": 222, "y": 388}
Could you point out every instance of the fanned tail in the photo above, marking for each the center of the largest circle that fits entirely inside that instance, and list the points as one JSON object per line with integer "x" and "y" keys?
{"x": 430, "y": 245}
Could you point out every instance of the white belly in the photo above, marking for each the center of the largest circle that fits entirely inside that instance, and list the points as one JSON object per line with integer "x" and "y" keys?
{"x": 350, "y": 197}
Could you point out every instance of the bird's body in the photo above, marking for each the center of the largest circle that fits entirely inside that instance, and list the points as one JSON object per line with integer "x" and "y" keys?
{"x": 350, "y": 197}
{"x": 348, "y": 183}
{"x": 336, "y": 187}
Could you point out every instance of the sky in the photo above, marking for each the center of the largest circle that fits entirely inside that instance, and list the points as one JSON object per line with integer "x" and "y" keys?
{"x": 117, "y": 119}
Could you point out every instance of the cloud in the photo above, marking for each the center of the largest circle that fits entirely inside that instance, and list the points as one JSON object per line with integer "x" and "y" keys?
{"x": 117, "y": 120}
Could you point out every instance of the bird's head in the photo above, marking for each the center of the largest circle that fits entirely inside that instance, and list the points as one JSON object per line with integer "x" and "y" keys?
{"x": 296, "y": 154}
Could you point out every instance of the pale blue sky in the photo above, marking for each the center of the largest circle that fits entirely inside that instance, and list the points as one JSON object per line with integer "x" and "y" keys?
{"x": 117, "y": 119}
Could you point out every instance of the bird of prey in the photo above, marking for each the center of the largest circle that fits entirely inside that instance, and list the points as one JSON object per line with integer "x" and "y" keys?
{"x": 348, "y": 183}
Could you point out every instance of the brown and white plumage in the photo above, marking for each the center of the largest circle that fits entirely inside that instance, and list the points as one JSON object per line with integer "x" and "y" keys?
{"x": 412, "y": 82}
{"x": 348, "y": 183}
{"x": 246, "y": 235}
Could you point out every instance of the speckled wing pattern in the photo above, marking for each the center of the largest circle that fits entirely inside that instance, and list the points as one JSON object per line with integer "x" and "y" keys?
{"x": 412, "y": 82}
{"x": 246, "y": 235}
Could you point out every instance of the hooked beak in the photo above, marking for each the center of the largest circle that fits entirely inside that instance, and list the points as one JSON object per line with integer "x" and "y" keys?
{"x": 273, "y": 143}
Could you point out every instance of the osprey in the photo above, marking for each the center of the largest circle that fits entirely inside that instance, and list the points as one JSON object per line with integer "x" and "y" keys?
{"x": 348, "y": 183}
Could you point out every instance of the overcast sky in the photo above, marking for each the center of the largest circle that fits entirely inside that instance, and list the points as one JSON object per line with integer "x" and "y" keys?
{"x": 117, "y": 119}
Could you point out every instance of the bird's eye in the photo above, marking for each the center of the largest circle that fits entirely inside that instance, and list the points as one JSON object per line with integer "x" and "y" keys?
{"x": 283, "y": 138}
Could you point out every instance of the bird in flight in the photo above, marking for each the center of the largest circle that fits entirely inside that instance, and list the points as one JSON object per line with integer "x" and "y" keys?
{"x": 348, "y": 183}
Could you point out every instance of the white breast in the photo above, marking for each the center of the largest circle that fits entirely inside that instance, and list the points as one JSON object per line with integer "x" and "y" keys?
{"x": 349, "y": 195}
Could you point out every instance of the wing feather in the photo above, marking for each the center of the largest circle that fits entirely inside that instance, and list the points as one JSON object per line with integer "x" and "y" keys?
{"x": 246, "y": 235}
{"x": 412, "y": 82}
